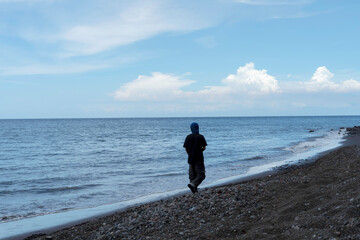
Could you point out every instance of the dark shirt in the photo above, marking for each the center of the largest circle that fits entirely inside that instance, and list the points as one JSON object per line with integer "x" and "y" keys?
{"x": 194, "y": 144}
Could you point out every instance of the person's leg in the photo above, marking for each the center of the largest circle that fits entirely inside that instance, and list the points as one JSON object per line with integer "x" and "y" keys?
{"x": 192, "y": 177}
{"x": 192, "y": 172}
{"x": 200, "y": 174}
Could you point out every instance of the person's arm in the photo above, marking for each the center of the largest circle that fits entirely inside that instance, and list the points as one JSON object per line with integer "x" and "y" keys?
{"x": 204, "y": 144}
{"x": 186, "y": 145}
{"x": 187, "y": 151}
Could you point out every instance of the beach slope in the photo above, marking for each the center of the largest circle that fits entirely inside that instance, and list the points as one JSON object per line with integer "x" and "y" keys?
{"x": 315, "y": 201}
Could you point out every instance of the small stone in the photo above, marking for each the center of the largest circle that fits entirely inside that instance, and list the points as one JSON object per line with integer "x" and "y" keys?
{"x": 296, "y": 227}
{"x": 192, "y": 209}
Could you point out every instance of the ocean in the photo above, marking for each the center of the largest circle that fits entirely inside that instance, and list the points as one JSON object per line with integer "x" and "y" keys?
{"x": 51, "y": 166}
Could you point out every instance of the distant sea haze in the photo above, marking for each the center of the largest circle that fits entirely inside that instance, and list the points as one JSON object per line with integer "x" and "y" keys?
{"x": 54, "y": 165}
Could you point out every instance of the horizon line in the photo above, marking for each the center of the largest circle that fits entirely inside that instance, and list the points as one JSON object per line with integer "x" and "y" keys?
{"x": 164, "y": 117}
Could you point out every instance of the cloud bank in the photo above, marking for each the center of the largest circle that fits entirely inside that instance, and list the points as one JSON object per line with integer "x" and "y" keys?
{"x": 247, "y": 83}
{"x": 163, "y": 87}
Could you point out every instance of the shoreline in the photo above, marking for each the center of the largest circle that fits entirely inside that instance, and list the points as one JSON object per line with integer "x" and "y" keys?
{"x": 95, "y": 225}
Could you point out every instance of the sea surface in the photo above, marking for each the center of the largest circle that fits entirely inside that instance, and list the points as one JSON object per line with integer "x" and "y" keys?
{"x": 55, "y": 165}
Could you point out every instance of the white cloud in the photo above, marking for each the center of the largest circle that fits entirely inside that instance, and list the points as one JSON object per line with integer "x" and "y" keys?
{"x": 243, "y": 86}
{"x": 250, "y": 80}
{"x": 247, "y": 81}
{"x": 158, "y": 86}
{"x": 322, "y": 81}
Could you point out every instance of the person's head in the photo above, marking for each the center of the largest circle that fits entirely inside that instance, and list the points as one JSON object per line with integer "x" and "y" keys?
{"x": 194, "y": 127}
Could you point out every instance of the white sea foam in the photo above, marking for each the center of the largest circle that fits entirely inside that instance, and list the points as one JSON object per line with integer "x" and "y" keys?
{"x": 317, "y": 142}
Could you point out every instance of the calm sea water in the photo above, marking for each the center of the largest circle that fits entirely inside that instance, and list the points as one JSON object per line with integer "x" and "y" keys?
{"x": 49, "y": 166}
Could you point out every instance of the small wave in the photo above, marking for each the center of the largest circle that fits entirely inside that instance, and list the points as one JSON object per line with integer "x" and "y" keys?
{"x": 6, "y": 183}
{"x": 253, "y": 158}
{"x": 11, "y": 218}
{"x": 66, "y": 189}
{"x": 10, "y": 192}
{"x": 53, "y": 154}
{"x": 102, "y": 151}
{"x": 300, "y": 147}
{"x": 47, "y": 190}
{"x": 171, "y": 174}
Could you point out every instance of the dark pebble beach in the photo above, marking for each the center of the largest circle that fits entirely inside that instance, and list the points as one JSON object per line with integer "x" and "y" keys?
{"x": 318, "y": 200}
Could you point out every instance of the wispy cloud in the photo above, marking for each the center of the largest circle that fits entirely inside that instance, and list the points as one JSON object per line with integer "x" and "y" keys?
{"x": 89, "y": 27}
{"x": 274, "y": 2}
{"x": 29, "y": 1}
{"x": 91, "y": 31}
{"x": 300, "y": 14}
{"x": 138, "y": 21}
{"x": 50, "y": 69}
{"x": 16, "y": 82}
{"x": 282, "y": 9}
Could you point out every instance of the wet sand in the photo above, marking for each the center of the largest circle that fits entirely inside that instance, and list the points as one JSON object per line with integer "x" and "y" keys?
{"x": 320, "y": 200}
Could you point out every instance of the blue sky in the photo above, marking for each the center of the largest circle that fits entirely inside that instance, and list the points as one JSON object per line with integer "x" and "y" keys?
{"x": 163, "y": 58}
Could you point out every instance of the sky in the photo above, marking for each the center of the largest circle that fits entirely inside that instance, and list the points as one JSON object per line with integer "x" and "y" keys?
{"x": 169, "y": 58}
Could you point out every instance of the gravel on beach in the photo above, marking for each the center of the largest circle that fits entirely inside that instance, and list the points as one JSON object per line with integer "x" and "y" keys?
{"x": 320, "y": 200}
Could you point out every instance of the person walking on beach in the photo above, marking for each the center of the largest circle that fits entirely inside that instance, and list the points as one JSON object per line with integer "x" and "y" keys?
{"x": 194, "y": 145}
